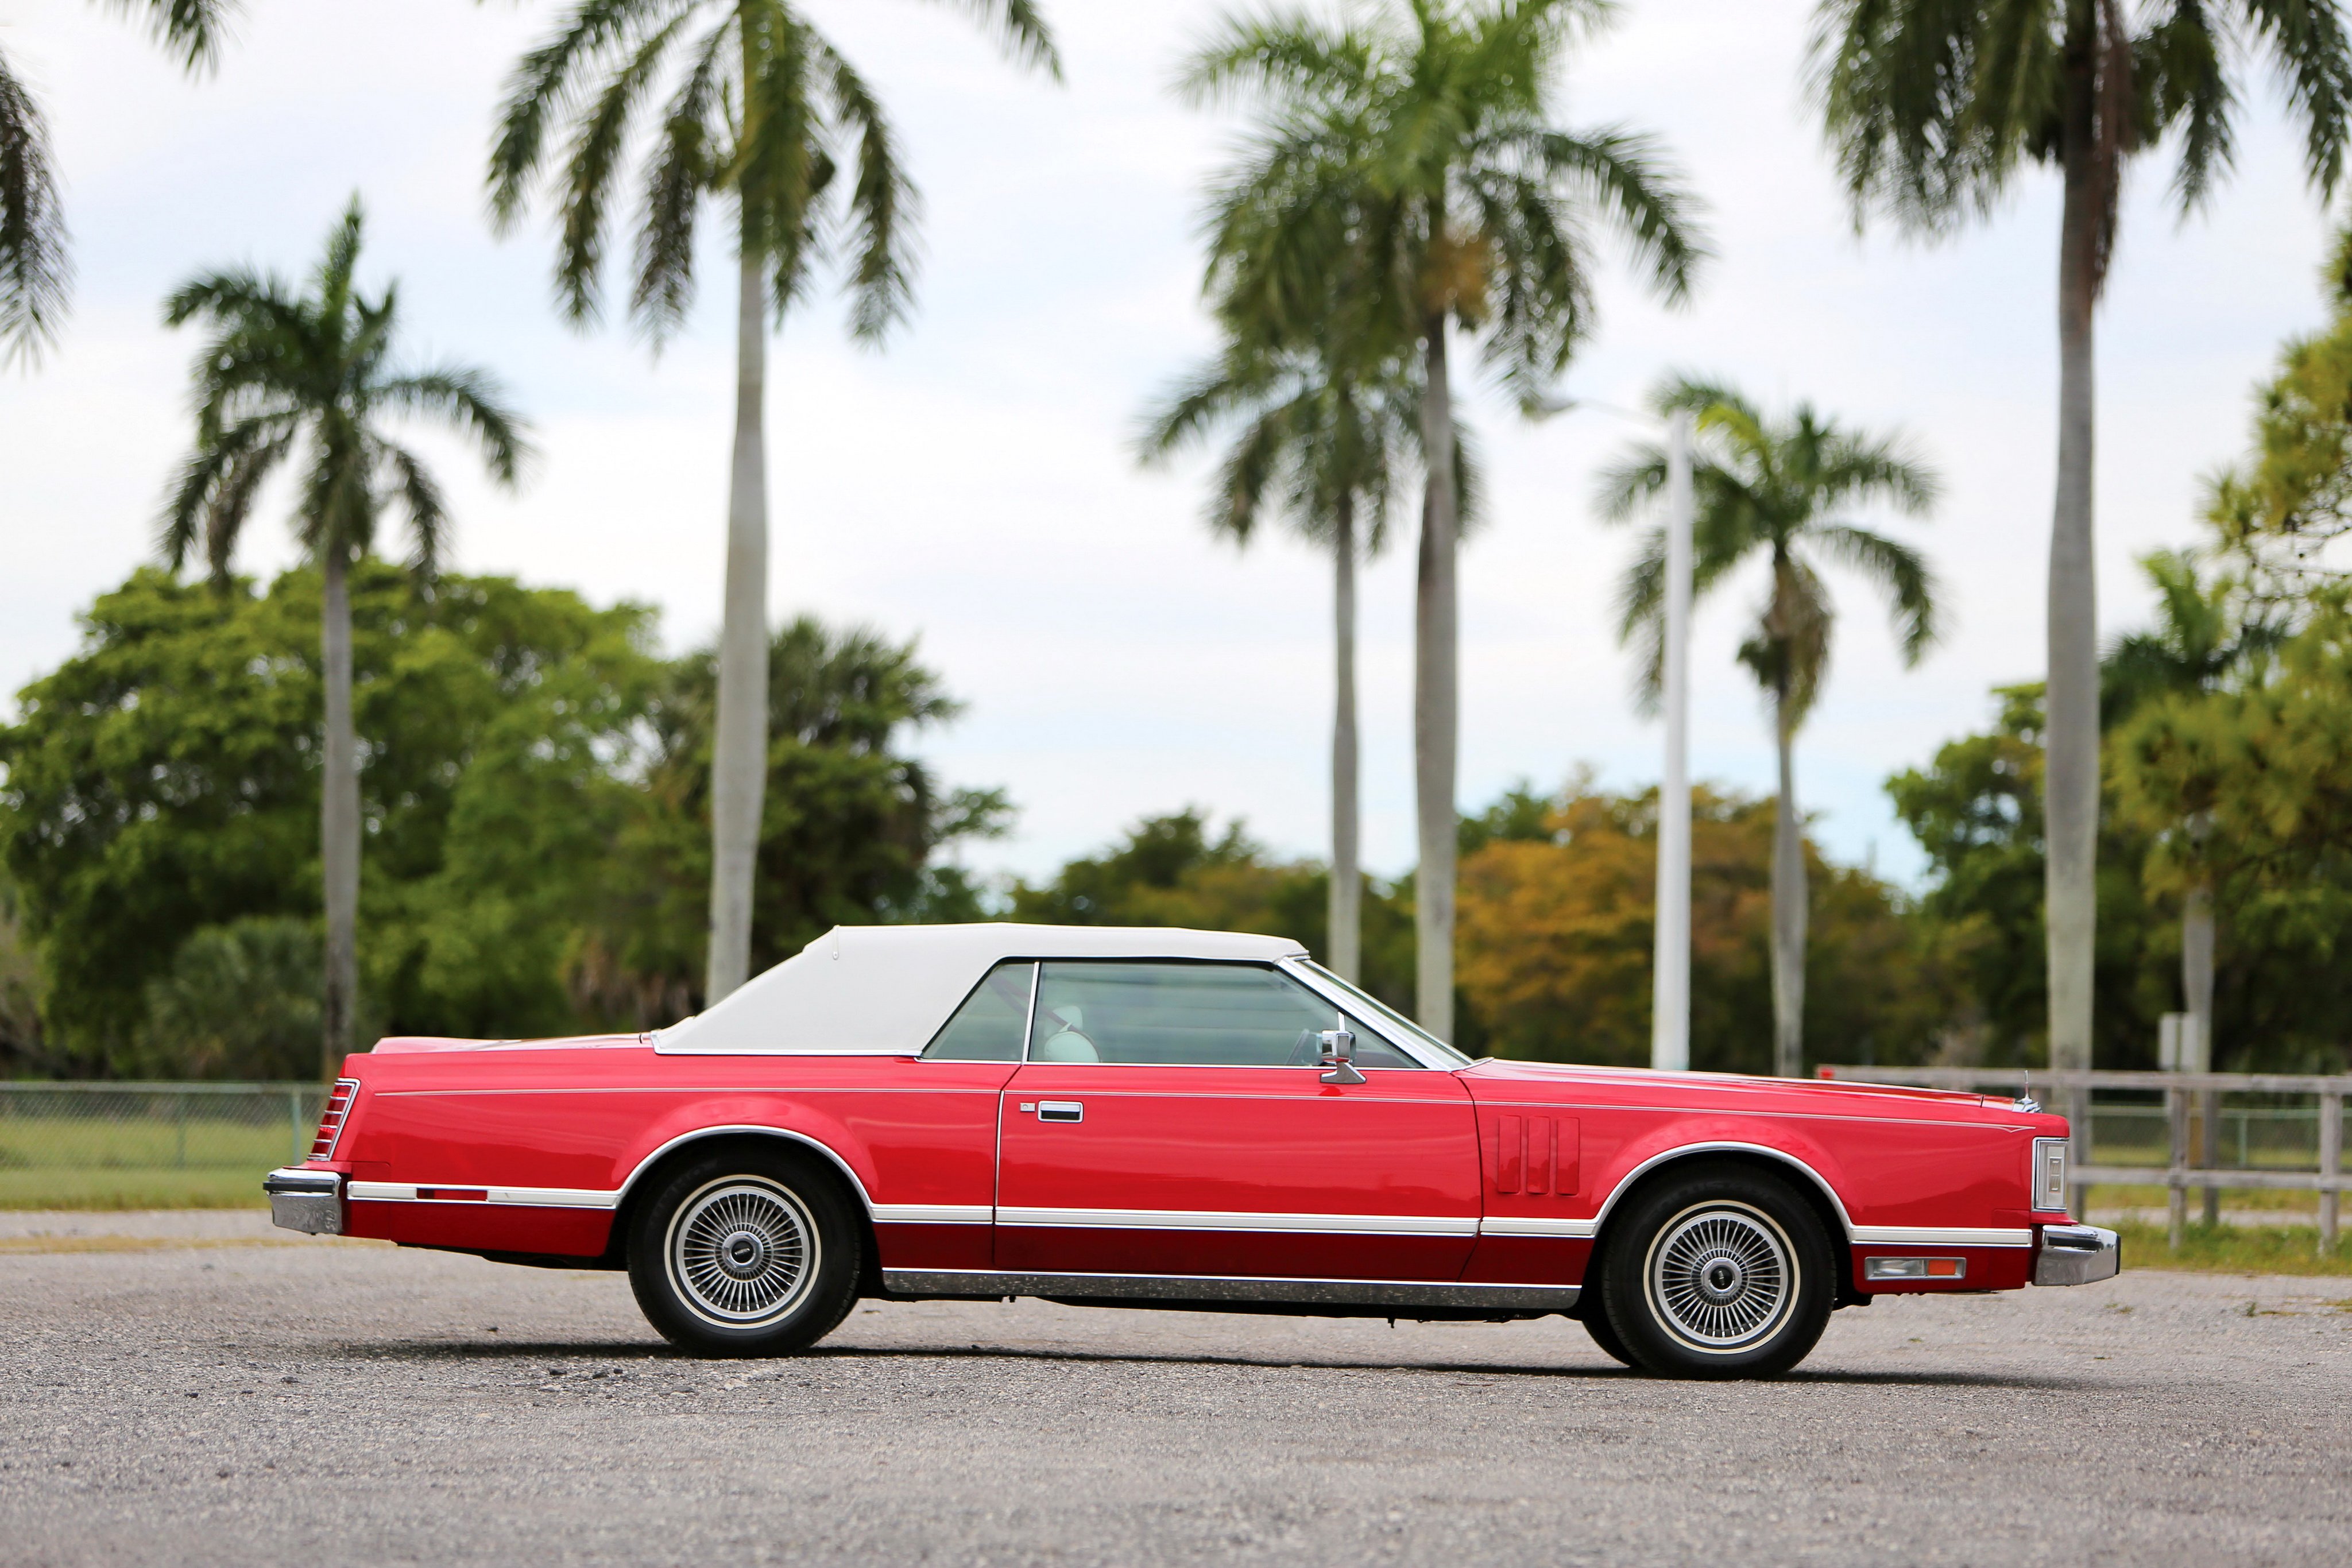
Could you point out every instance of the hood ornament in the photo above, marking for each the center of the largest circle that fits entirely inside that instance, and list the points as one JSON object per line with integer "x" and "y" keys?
{"x": 2028, "y": 1104}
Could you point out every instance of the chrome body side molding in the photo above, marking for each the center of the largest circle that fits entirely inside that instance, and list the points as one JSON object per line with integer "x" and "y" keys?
{"x": 1401, "y": 1293}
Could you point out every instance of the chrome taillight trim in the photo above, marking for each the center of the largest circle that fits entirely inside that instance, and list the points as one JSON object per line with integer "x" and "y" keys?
{"x": 2046, "y": 1176}
{"x": 331, "y": 1119}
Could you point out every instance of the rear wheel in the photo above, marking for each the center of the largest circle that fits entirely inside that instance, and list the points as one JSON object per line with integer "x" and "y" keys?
{"x": 1718, "y": 1271}
{"x": 745, "y": 1252}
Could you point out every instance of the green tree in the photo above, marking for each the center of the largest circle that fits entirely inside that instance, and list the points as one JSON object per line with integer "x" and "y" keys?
{"x": 1782, "y": 490}
{"x": 166, "y": 780}
{"x": 240, "y": 1000}
{"x": 852, "y": 832}
{"x": 1409, "y": 159}
{"x": 35, "y": 272}
{"x": 760, "y": 112}
{"x": 2244, "y": 786}
{"x": 290, "y": 372}
{"x": 1326, "y": 444}
{"x": 2287, "y": 503}
{"x": 1179, "y": 870}
{"x": 536, "y": 799}
{"x": 1932, "y": 107}
{"x": 1558, "y": 904}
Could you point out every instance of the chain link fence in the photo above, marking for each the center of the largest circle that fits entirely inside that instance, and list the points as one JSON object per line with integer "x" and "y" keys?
{"x": 149, "y": 1145}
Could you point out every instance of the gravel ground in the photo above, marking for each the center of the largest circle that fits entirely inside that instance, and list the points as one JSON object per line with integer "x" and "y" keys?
{"x": 200, "y": 1390}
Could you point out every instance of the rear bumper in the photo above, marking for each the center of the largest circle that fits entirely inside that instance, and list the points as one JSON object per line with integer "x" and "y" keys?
{"x": 2078, "y": 1255}
{"x": 304, "y": 1200}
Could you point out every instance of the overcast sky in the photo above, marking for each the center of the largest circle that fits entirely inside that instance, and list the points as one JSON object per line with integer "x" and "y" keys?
{"x": 972, "y": 484}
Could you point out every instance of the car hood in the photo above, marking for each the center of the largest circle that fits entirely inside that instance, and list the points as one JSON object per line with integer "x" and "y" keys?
{"x": 1812, "y": 1090}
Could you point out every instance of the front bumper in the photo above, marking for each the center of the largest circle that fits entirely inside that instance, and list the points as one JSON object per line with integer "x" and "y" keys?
{"x": 304, "y": 1200}
{"x": 2078, "y": 1255}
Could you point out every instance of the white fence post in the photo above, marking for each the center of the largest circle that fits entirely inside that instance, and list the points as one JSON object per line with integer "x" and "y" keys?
{"x": 2331, "y": 1164}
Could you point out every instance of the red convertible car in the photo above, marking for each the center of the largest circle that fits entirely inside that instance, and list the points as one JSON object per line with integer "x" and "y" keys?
{"x": 1181, "y": 1119}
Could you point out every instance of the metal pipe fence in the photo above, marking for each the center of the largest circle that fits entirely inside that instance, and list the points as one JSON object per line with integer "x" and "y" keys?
{"x": 79, "y": 1144}
{"x": 2144, "y": 1133}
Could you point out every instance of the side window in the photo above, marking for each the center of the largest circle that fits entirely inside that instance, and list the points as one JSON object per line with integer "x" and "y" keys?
{"x": 989, "y": 1025}
{"x": 1188, "y": 1015}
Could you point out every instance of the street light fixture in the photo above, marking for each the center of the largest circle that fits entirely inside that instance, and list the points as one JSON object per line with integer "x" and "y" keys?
{"x": 1670, "y": 959}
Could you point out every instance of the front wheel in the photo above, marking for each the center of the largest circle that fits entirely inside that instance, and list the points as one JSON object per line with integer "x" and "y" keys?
{"x": 1720, "y": 1271}
{"x": 745, "y": 1253}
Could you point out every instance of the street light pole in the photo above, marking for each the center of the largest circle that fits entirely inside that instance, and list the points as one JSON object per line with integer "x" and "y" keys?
{"x": 1670, "y": 963}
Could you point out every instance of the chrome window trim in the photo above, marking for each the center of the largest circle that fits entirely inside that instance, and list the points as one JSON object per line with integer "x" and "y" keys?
{"x": 1310, "y": 975}
{"x": 1280, "y": 966}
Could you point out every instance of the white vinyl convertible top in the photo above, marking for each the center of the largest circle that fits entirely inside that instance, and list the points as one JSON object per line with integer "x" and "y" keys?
{"x": 885, "y": 990}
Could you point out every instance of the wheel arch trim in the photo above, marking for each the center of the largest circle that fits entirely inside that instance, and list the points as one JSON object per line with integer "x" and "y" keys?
{"x": 621, "y": 1197}
{"x": 1725, "y": 1146}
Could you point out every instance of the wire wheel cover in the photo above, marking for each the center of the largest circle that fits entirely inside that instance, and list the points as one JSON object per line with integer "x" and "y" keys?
{"x": 1721, "y": 1277}
{"x": 743, "y": 1251}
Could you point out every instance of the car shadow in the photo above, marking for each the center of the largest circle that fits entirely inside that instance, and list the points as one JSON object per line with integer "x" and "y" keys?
{"x": 458, "y": 1351}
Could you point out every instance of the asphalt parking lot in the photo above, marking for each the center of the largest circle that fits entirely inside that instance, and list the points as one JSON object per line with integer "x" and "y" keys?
{"x": 200, "y": 1390}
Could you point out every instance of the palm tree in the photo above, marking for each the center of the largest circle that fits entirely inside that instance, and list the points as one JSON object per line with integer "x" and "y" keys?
{"x": 2205, "y": 629}
{"x": 1327, "y": 445}
{"x": 309, "y": 372}
{"x": 1782, "y": 490}
{"x": 35, "y": 272}
{"x": 1932, "y": 106}
{"x": 1408, "y": 161}
{"x": 760, "y": 112}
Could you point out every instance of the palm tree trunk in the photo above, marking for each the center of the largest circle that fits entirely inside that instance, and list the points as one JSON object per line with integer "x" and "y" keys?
{"x": 1789, "y": 909}
{"x": 1347, "y": 936}
{"x": 2071, "y": 780}
{"x": 2197, "y": 992}
{"x": 1436, "y": 700}
{"x": 339, "y": 815}
{"x": 738, "y": 761}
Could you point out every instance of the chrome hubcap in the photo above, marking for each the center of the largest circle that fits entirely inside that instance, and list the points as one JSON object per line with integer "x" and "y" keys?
{"x": 741, "y": 1252}
{"x": 1721, "y": 1277}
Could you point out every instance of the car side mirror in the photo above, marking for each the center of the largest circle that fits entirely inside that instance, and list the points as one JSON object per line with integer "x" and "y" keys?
{"x": 1339, "y": 1057}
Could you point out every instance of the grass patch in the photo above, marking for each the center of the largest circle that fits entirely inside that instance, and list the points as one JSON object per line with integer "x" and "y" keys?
{"x": 131, "y": 1188}
{"x": 2235, "y": 1250}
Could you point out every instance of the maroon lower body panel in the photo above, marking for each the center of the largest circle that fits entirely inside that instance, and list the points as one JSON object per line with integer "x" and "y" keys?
{"x": 917, "y": 1246}
{"x": 482, "y": 1227}
{"x": 1529, "y": 1261}
{"x": 1291, "y": 1255}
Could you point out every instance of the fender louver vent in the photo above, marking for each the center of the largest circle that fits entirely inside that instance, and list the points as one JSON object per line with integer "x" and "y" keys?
{"x": 1534, "y": 1154}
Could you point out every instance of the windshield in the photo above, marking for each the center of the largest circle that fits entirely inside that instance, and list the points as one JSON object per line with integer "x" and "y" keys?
{"x": 1387, "y": 1015}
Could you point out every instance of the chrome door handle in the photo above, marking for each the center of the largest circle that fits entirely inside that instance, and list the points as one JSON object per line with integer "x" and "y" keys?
{"x": 1061, "y": 1110}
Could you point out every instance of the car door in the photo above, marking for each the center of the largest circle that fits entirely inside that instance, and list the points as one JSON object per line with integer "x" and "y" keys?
{"x": 1171, "y": 1120}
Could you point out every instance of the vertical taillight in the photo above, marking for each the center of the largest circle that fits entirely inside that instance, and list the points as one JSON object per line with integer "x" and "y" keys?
{"x": 331, "y": 1121}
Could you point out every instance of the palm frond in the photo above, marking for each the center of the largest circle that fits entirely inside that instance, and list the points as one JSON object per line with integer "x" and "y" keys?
{"x": 1021, "y": 31}
{"x": 36, "y": 276}
{"x": 592, "y": 168}
{"x": 1287, "y": 56}
{"x": 2309, "y": 46}
{"x": 547, "y": 84}
{"x": 190, "y": 30}
{"x": 881, "y": 203}
{"x": 685, "y": 162}
{"x": 471, "y": 400}
{"x": 1898, "y": 570}
{"x": 419, "y": 495}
